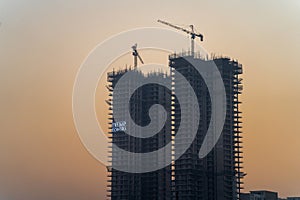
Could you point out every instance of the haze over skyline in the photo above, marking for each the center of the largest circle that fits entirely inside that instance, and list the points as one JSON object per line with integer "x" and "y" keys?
{"x": 43, "y": 43}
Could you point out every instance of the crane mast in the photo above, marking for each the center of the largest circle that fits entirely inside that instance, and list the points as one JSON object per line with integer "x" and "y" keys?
{"x": 135, "y": 56}
{"x": 191, "y": 32}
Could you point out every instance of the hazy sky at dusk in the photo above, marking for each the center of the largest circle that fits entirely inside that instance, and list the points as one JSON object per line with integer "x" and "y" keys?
{"x": 43, "y": 43}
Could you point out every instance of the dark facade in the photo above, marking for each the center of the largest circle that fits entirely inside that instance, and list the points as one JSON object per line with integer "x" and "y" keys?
{"x": 215, "y": 177}
{"x": 136, "y": 186}
{"x": 263, "y": 195}
{"x": 218, "y": 175}
{"x": 245, "y": 196}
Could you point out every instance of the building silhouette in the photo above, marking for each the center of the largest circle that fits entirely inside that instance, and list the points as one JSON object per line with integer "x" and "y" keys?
{"x": 260, "y": 195}
{"x": 218, "y": 175}
{"x": 215, "y": 177}
{"x": 136, "y": 186}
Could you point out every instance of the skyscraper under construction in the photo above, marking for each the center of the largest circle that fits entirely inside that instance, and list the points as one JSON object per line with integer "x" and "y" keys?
{"x": 218, "y": 175}
{"x": 137, "y": 186}
{"x": 214, "y": 177}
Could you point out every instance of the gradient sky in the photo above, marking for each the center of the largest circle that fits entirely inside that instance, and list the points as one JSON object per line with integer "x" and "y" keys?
{"x": 43, "y": 43}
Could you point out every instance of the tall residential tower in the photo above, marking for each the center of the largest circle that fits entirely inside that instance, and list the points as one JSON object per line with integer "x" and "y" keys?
{"x": 136, "y": 186}
{"x": 218, "y": 175}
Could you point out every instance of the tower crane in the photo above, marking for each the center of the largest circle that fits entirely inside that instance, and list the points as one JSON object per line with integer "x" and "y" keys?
{"x": 191, "y": 32}
{"x": 136, "y": 55}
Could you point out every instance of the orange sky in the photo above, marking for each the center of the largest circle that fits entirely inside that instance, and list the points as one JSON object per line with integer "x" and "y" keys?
{"x": 43, "y": 43}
